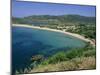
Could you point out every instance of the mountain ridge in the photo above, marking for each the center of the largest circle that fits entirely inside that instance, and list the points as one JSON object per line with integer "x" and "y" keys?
{"x": 61, "y": 18}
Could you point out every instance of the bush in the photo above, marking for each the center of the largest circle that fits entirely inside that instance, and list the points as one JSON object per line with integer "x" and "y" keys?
{"x": 73, "y": 64}
{"x": 68, "y": 55}
{"x": 74, "y": 53}
{"x": 89, "y": 53}
{"x": 73, "y": 59}
{"x": 61, "y": 56}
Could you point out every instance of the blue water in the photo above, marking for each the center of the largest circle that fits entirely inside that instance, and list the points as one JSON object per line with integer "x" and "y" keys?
{"x": 27, "y": 42}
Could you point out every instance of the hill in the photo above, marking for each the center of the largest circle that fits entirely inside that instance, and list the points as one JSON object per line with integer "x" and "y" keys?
{"x": 65, "y": 19}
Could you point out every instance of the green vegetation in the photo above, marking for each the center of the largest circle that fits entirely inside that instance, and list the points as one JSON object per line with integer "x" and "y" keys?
{"x": 75, "y": 19}
{"x": 75, "y": 59}
{"x": 56, "y": 20}
{"x": 88, "y": 31}
{"x": 20, "y": 21}
{"x": 73, "y": 64}
{"x": 74, "y": 53}
{"x": 73, "y": 23}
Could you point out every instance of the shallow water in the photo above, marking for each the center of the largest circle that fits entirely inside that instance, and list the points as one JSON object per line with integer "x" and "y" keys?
{"x": 27, "y": 42}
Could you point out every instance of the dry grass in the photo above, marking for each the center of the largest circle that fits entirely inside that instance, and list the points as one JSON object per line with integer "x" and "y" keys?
{"x": 74, "y": 64}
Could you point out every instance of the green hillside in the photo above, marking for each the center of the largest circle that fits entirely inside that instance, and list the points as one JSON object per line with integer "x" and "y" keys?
{"x": 76, "y": 19}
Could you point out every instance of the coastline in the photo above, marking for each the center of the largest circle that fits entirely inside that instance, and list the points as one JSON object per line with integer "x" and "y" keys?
{"x": 55, "y": 30}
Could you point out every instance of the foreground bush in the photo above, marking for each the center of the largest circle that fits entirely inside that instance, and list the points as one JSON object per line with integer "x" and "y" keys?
{"x": 73, "y": 64}
{"x": 68, "y": 55}
{"x": 75, "y": 59}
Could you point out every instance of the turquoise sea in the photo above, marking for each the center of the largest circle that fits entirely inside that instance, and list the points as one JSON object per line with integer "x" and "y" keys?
{"x": 27, "y": 42}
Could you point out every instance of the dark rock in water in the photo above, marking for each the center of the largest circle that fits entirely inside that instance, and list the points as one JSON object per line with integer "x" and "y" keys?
{"x": 37, "y": 58}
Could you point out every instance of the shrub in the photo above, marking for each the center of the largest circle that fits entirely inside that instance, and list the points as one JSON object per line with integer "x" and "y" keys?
{"x": 89, "y": 53}
{"x": 61, "y": 56}
{"x": 73, "y": 64}
{"x": 74, "y": 53}
{"x": 58, "y": 57}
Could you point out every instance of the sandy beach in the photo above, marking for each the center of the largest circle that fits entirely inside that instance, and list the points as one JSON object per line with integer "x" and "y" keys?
{"x": 55, "y": 30}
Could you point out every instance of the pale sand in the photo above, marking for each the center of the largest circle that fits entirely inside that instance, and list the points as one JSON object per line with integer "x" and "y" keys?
{"x": 55, "y": 30}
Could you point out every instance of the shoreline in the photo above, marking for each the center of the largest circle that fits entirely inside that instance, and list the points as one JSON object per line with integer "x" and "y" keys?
{"x": 55, "y": 30}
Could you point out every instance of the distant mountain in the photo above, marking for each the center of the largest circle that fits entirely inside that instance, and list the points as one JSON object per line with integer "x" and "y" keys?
{"x": 73, "y": 19}
{"x": 78, "y": 19}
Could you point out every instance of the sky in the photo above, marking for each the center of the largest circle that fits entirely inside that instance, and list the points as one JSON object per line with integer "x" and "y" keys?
{"x": 23, "y": 9}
